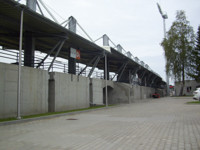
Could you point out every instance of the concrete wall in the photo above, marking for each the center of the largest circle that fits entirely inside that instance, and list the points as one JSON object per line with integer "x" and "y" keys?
{"x": 96, "y": 91}
{"x": 38, "y": 93}
{"x": 190, "y": 87}
{"x": 34, "y": 90}
{"x": 125, "y": 93}
{"x": 42, "y": 92}
{"x": 71, "y": 92}
{"x": 118, "y": 92}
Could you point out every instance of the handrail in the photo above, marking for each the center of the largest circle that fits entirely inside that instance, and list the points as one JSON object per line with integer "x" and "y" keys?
{"x": 58, "y": 65}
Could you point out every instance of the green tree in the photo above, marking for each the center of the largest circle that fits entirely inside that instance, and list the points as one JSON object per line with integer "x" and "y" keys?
{"x": 195, "y": 59}
{"x": 178, "y": 45}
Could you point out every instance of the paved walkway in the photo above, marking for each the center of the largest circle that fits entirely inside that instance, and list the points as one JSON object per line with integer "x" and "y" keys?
{"x": 159, "y": 124}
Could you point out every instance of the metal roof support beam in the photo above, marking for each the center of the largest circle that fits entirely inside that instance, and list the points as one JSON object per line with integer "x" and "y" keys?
{"x": 121, "y": 73}
{"x": 85, "y": 32}
{"x": 149, "y": 78}
{"x": 153, "y": 79}
{"x": 41, "y": 2}
{"x": 39, "y": 8}
{"x": 113, "y": 43}
{"x": 61, "y": 45}
{"x": 143, "y": 74}
{"x": 136, "y": 70}
{"x": 133, "y": 73}
{"x": 48, "y": 54}
{"x": 130, "y": 77}
{"x": 66, "y": 21}
{"x": 90, "y": 63}
{"x": 94, "y": 66}
{"x": 118, "y": 71}
{"x": 98, "y": 39}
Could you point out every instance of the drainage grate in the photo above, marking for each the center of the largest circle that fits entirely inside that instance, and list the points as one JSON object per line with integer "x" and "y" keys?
{"x": 71, "y": 119}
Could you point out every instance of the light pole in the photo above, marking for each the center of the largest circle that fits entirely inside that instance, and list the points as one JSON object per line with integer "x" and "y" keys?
{"x": 19, "y": 67}
{"x": 164, "y": 16}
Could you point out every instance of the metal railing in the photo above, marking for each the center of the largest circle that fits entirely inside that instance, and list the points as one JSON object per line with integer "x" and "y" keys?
{"x": 60, "y": 65}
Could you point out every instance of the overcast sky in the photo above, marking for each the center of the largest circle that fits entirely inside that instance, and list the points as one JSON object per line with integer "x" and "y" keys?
{"x": 135, "y": 24}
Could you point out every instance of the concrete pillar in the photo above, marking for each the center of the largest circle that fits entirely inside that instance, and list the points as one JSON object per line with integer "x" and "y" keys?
{"x": 31, "y": 4}
{"x": 72, "y": 24}
{"x": 119, "y": 48}
{"x": 29, "y": 52}
{"x": 51, "y": 93}
{"x": 129, "y": 95}
{"x": 91, "y": 92}
{"x": 71, "y": 65}
{"x": 72, "y": 61}
{"x": 106, "y": 43}
{"x": 129, "y": 54}
{"x": 108, "y": 70}
{"x": 105, "y": 40}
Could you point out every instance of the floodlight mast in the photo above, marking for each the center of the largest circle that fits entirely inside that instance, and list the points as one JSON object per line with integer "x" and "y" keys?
{"x": 164, "y": 16}
{"x": 159, "y": 8}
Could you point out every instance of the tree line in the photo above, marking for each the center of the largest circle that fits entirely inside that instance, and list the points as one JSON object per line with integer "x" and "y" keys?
{"x": 182, "y": 50}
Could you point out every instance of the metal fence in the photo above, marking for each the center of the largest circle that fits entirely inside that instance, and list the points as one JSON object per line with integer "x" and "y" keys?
{"x": 60, "y": 65}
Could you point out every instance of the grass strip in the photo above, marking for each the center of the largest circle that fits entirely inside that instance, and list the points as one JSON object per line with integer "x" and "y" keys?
{"x": 51, "y": 113}
{"x": 194, "y": 102}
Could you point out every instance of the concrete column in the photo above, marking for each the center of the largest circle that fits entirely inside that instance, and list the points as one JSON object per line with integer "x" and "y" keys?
{"x": 119, "y": 48}
{"x": 106, "y": 43}
{"x": 31, "y": 4}
{"x": 29, "y": 52}
{"x": 91, "y": 92}
{"x": 129, "y": 95}
{"x": 72, "y": 61}
{"x": 51, "y": 93}
{"x": 129, "y": 54}
{"x": 72, "y": 24}
{"x": 105, "y": 40}
{"x": 108, "y": 70}
{"x": 71, "y": 65}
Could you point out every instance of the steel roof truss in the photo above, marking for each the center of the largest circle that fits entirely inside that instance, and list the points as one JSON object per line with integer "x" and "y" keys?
{"x": 94, "y": 66}
{"x": 89, "y": 64}
{"x": 61, "y": 45}
{"x": 49, "y": 54}
{"x": 123, "y": 68}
